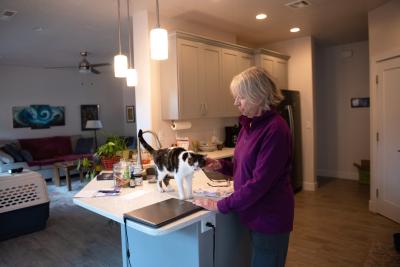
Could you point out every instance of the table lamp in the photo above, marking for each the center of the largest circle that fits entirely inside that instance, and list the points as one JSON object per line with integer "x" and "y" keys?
{"x": 94, "y": 125}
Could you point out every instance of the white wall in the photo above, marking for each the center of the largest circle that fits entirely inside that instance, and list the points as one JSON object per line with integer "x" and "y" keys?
{"x": 384, "y": 39}
{"x": 22, "y": 86}
{"x": 342, "y": 131}
{"x": 300, "y": 77}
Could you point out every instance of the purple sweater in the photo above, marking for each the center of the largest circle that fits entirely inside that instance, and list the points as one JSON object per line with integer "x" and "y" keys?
{"x": 262, "y": 196}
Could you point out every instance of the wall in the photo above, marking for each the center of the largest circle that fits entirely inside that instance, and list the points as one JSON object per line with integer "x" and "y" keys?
{"x": 342, "y": 131}
{"x": 22, "y": 86}
{"x": 384, "y": 39}
{"x": 300, "y": 77}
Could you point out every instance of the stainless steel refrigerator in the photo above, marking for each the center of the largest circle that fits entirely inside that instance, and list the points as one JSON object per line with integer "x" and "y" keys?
{"x": 289, "y": 109}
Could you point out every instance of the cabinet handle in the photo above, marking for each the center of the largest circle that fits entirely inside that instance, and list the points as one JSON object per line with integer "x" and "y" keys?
{"x": 205, "y": 108}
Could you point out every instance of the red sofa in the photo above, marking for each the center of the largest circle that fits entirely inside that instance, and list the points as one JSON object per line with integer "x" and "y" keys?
{"x": 47, "y": 151}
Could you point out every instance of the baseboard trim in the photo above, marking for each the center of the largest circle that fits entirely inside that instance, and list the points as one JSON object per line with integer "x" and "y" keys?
{"x": 338, "y": 174}
{"x": 372, "y": 206}
{"x": 309, "y": 186}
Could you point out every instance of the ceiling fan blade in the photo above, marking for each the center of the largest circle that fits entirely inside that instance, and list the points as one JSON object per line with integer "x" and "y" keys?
{"x": 65, "y": 67}
{"x": 93, "y": 70}
{"x": 100, "y": 64}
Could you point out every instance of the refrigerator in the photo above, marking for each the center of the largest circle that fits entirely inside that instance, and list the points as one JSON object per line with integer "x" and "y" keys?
{"x": 289, "y": 109}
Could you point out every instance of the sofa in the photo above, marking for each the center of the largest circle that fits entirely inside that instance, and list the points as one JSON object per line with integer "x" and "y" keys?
{"x": 39, "y": 154}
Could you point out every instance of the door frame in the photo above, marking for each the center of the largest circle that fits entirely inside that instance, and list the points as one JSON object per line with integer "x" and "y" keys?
{"x": 376, "y": 127}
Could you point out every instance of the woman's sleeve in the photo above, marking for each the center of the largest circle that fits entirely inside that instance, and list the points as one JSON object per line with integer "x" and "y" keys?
{"x": 272, "y": 159}
{"x": 227, "y": 167}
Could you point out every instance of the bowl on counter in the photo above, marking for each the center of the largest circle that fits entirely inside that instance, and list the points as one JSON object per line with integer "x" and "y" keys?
{"x": 208, "y": 147}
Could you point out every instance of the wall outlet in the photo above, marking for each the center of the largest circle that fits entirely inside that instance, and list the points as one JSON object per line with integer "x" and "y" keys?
{"x": 209, "y": 218}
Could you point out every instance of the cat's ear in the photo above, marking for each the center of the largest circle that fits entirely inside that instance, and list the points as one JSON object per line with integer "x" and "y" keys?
{"x": 185, "y": 155}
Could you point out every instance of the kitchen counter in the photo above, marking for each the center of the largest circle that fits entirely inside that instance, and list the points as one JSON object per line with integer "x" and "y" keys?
{"x": 226, "y": 152}
{"x": 180, "y": 243}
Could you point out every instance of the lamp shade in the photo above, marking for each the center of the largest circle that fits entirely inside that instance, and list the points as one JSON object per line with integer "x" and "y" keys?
{"x": 94, "y": 124}
{"x": 131, "y": 77}
{"x": 159, "y": 44}
{"x": 120, "y": 66}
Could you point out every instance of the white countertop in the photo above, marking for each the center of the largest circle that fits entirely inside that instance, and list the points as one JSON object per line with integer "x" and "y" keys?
{"x": 113, "y": 207}
{"x": 226, "y": 152}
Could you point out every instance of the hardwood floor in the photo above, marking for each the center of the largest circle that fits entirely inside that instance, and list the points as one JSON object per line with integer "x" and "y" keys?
{"x": 333, "y": 227}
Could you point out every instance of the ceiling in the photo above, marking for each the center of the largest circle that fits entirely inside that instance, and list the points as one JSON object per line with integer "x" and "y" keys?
{"x": 46, "y": 33}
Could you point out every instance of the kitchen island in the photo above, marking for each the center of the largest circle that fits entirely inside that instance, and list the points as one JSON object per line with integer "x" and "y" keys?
{"x": 181, "y": 243}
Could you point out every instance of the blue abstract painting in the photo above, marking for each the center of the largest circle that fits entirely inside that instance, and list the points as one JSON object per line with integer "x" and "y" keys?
{"x": 38, "y": 116}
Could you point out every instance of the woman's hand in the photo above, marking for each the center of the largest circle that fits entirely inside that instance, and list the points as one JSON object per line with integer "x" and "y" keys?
{"x": 212, "y": 165}
{"x": 206, "y": 203}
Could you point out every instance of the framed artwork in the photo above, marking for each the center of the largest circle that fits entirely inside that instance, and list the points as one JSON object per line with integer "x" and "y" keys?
{"x": 88, "y": 112}
{"x": 360, "y": 102}
{"x": 130, "y": 114}
{"x": 38, "y": 116}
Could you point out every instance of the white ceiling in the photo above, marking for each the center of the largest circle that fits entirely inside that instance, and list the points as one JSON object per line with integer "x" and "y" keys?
{"x": 71, "y": 26}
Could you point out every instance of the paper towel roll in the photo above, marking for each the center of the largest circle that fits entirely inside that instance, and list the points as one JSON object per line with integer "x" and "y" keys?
{"x": 180, "y": 125}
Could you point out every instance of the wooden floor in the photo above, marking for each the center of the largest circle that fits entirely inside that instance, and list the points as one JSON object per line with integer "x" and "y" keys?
{"x": 333, "y": 227}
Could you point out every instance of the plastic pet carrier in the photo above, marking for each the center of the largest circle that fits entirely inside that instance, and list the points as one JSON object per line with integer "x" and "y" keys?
{"x": 24, "y": 204}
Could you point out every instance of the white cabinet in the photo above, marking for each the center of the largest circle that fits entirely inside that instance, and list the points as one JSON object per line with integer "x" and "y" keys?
{"x": 196, "y": 77}
{"x": 276, "y": 64}
{"x": 233, "y": 62}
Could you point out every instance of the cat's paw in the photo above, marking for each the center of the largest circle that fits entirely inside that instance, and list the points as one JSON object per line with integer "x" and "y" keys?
{"x": 189, "y": 196}
{"x": 169, "y": 189}
{"x": 161, "y": 190}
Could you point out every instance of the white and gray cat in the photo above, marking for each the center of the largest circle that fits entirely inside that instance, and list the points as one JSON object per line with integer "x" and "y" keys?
{"x": 174, "y": 162}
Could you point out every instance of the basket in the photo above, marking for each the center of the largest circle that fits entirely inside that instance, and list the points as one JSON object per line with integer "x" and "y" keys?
{"x": 109, "y": 162}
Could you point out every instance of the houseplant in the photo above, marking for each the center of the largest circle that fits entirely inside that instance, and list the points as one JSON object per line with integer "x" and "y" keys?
{"x": 88, "y": 167}
{"x": 110, "y": 152}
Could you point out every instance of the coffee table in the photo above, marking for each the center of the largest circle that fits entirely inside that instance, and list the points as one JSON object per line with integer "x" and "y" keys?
{"x": 66, "y": 166}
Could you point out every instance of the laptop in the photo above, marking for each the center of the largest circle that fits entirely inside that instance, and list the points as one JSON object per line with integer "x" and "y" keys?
{"x": 162, "y": 213}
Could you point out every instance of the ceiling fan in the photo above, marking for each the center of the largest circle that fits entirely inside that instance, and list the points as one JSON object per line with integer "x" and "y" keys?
{"x": 84, "y": 65}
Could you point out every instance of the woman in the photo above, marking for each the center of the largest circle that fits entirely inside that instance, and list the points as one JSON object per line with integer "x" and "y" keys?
{"x": 262, "y": 196}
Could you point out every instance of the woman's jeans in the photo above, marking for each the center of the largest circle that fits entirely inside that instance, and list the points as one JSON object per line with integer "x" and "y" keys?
{"x": 269, "y": 250}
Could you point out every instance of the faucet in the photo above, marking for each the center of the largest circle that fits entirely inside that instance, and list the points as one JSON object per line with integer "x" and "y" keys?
{"x": 139, "y": 164}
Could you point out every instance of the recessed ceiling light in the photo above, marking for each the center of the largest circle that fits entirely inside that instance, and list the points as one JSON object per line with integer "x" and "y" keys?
{"x": 261, "y": 16}
{"x": 295, "y": 29}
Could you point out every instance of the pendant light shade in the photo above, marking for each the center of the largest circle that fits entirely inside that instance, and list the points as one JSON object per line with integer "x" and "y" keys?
{"x": 120, "y": 61}
{"x": 158, "y": 40}
{"x": 131, "y": 77}
{"x": 159, "y": 44}
{"x": 120, "y": 66}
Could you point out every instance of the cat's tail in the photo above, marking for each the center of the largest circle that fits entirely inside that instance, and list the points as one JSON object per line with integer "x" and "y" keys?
{"x": 144, "y": 143}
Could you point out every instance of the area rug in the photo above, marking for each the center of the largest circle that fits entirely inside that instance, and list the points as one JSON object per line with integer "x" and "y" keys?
{"x": 382, "y": 255}
{"x": 59, "y": 195}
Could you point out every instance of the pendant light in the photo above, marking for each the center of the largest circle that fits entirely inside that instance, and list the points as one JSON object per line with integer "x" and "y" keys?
{"x": 120, "y": 61}
{"x": 131, "y": 74}
{"x": 158, "y": 40}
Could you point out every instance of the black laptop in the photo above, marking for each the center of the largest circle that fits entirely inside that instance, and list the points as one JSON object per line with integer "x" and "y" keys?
{"x": 162, "y": 213}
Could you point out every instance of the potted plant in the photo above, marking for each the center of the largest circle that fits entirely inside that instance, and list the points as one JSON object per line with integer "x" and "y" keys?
{"x": 109, "y": 153}
{"x": 88, "y": 167}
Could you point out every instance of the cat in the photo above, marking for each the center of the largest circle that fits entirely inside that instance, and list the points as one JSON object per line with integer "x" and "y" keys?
{"x": 174, "y": 162}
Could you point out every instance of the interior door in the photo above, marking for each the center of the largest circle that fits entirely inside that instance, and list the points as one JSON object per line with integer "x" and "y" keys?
{"x": 388, "y": 97}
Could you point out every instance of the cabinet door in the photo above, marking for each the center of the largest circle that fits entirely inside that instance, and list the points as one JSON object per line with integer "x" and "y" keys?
{"x": 189, "y": 75}
{"x": 267, "y": 63}
{"x": 211, "y": 81}
{"x": 230, "y": 59}
{"x": 280, "y": 71}
{"x": 245, "y": 61}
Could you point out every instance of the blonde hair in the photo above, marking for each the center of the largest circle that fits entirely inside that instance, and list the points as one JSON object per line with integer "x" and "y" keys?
{"x": 256, "y": 85}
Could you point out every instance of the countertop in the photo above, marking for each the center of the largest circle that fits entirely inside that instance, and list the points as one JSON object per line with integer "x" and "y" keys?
{"x": 226, "y": 152}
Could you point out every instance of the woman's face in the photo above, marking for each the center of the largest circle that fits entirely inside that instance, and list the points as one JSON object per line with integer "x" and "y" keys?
{"x": 246, "y": 107}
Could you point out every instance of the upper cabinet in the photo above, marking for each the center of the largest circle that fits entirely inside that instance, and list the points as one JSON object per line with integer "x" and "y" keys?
{"x": 276, "y": 64}
{"x": 195, "y": 79}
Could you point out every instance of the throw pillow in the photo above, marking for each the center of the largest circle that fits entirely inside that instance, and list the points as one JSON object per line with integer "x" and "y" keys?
{"x": 13, "y": 151}
{"x": 26, "y": 155}
{"x": 5, "y": 158}
{"x": 84, "y": 146}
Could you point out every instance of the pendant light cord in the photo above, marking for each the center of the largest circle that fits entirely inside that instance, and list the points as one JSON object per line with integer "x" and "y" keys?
{"x": 129, "y": 37}
{"x": 158, "y": 14}
{"x": 119, "y": 27}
